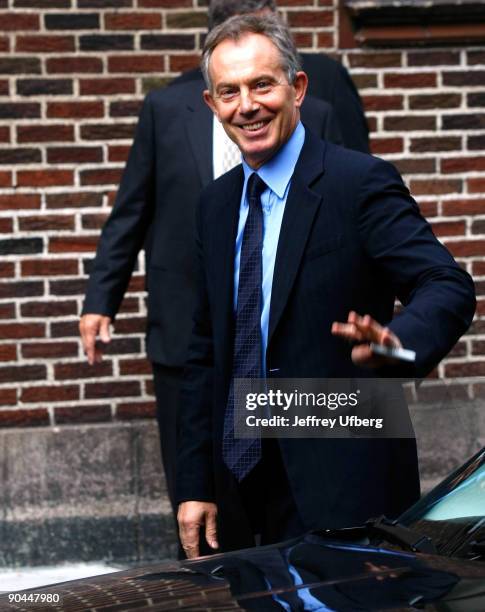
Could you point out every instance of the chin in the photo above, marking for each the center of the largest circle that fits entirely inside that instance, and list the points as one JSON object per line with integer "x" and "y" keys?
{"x": 259, "y": 155}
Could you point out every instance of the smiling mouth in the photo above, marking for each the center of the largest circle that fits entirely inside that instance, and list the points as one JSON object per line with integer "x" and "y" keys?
{"x": 254, "y": 127}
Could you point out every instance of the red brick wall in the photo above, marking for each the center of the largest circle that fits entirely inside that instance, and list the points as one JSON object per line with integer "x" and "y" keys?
{"x": 72, "y": 76}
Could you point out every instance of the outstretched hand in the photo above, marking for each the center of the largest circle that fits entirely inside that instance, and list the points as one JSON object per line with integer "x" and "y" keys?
{"x": 362, "y": 331}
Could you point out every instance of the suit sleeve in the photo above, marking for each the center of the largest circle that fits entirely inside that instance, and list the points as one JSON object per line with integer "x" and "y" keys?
{"x": 437, "y": 295}
{"x": 125, "y": 230}
{"x": 319, "y": 117}
{"x": 194, "y": 441}
{"x": 332, "y": 131}
{"x": 350, "y": 114}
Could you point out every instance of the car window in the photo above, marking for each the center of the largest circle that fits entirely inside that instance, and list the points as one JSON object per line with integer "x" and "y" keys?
{"x": 467, "y": 500}
{"x": 453, "y": 513}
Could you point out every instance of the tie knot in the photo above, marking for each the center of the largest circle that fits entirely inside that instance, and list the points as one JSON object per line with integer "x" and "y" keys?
{"x": 256, "y": 186}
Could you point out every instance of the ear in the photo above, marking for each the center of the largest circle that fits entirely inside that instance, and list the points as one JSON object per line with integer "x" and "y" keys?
{"x": 300, "y": 85}
{"x": 209, "y": 100}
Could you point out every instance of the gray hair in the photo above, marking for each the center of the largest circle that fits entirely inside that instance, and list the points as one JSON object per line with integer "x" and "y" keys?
{"x": 221, "y": 10}
{"x": 270, "y": 26}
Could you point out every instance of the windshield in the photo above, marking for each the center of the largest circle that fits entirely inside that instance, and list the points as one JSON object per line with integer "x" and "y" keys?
{"x": 453, "y": 513}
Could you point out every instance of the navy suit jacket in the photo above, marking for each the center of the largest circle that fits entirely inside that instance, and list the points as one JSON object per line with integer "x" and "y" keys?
{"x": 352, "y": 238}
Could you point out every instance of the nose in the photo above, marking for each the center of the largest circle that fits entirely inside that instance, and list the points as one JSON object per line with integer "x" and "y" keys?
{"x": 247, "y": 104}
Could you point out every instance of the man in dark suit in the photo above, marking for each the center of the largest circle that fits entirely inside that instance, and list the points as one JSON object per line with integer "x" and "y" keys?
{"x": 178, "y": 149}
{"x": 291, "y": 246}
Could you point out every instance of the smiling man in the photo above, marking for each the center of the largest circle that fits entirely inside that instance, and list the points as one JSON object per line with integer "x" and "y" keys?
{"x": 302, "y": 236}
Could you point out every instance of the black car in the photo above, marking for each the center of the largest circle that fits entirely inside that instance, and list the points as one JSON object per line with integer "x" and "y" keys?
{"x": 432, "y": 558}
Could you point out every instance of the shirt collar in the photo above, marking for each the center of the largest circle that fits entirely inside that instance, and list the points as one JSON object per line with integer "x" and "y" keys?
{"x": 277, "y": 172}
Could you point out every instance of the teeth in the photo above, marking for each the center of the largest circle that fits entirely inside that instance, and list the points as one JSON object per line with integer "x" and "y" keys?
{"x": 253, "y": 126}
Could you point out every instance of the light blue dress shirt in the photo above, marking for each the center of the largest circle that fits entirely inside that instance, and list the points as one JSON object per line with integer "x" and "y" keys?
{"x": 277, "y": 175}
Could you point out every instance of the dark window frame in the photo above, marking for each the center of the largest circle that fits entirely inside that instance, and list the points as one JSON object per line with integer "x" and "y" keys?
{"x": 401, "y": 23}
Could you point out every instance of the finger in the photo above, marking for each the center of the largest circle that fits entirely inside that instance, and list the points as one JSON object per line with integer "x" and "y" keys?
{"x": 211, "y": 531}
{"x": 104, "y": 332}
{"x": 369, "y": 328}
{"x": 349, "y": 331}
{"x": 389, "y": 338}
{"x": 88, "y": 337}
{"x": 352, "y": 316}
{"x": 362, "y": 355}
{"x": 189, "y": 536}
{"x": 372, "y": 331}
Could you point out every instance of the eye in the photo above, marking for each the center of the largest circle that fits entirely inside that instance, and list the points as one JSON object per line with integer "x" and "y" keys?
{"x": 263, "y": 86}
{"x": 228, "y": 93}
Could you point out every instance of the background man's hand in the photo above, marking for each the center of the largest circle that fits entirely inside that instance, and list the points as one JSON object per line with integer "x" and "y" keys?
{"x": 363, "y": 331}
{"x": 192, "y": 515}
{"x": 90, "y": 326}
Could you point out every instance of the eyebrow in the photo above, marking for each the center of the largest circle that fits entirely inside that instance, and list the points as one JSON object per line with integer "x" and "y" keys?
{"x": 261, "y": 77}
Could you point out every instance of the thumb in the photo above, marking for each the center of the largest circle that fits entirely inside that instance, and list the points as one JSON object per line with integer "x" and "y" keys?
{"x": 211, "y": 530}
{"x": 389, "y": 339}
{"x": 104, "y": 332}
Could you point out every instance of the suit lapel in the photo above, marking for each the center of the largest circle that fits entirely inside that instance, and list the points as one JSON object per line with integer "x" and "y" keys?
{"x": 225, "y": 222}
{"x": 301, "y": 207}
{"x": 199, "y": 132}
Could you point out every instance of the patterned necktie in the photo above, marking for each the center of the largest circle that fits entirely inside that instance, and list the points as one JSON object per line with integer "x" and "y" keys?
{"x": 242, "y": 454}
{"x": 231, "y": 155}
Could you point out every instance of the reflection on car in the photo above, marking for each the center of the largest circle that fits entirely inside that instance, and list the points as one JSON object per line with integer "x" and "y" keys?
{"x": 431, "y": 558}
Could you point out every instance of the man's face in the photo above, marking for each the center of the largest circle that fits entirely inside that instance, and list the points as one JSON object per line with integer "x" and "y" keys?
{"x": 252, "y": 98}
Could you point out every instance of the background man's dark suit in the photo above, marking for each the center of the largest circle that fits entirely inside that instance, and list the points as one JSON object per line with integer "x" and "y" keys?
{"x": 351, "y": 239}
{"x": 169, "y": 164}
